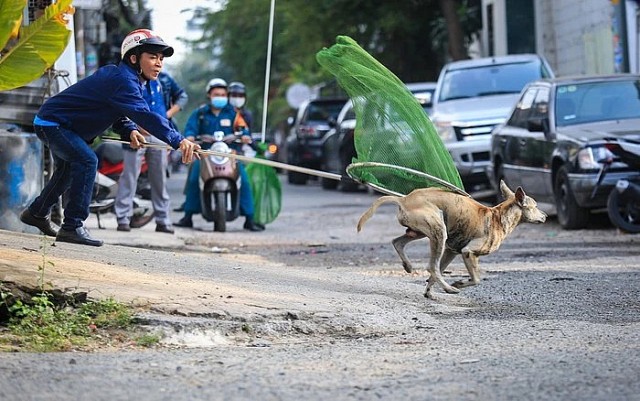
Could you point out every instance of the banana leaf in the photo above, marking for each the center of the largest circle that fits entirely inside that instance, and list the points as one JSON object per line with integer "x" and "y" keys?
{"x": 39, "y": 44}
{"x": 267, "y": 190}
{"x": 10, "y": 19}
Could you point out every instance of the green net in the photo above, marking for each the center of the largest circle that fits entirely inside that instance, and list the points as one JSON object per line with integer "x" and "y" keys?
{"x": 266, "y": 188}
{"x": 392, "y": 129}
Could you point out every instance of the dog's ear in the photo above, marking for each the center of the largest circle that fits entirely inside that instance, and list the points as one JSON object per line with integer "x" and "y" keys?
{"x": 520, "y": 195}
{"x": 506, "y": 192}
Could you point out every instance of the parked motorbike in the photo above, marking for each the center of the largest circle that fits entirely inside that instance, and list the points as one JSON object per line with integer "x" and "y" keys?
{"x": 220, "y": 182}
{"x": 623, "y": 203}
{"x": 105, "y": 188}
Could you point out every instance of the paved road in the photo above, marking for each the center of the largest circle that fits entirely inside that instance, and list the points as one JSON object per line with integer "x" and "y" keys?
{"x": 311, "y": 309}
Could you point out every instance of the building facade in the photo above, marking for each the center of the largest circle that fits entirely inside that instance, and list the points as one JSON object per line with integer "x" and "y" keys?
{"x": 576, "y": 36}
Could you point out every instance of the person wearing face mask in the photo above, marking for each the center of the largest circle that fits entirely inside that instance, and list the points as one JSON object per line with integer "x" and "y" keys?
{"x": 69, "y": 121}
{"x": 218, "y": 115}
{"x": 238, "y": 99}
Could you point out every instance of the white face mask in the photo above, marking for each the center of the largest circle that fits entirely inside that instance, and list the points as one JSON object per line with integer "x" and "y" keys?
{"x": 237, "y": 101}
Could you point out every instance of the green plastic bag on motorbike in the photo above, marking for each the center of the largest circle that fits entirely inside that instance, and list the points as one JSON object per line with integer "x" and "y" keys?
{"x": 266, "y": 188}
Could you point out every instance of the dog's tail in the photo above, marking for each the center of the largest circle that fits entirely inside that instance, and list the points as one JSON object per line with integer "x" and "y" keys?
{"x": 383, "y": 199}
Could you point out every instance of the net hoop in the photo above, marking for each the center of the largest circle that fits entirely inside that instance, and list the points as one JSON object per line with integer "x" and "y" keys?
{"x": 430, "y": 177}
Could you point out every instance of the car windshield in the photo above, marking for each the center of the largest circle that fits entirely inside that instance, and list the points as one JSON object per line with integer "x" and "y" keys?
{"x": 490, "y": 80}
{"x": 580, "y": 103}
{"x": 322, "y": 111}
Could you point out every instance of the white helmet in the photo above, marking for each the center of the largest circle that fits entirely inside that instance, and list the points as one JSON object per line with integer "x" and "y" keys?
{"x": 147, "y": 38}
{"x": 216, "y": 83}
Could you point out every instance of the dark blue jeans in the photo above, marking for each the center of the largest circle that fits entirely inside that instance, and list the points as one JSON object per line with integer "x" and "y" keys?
{"x": 75, "y": 165}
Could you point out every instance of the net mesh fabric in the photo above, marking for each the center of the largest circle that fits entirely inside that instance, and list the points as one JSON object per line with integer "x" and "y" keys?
{"x": 391, "y": 126}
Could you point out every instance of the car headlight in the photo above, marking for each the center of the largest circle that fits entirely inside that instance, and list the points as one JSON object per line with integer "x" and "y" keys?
{"x": 593, "y": 157}
{"x": 445, "y": 131}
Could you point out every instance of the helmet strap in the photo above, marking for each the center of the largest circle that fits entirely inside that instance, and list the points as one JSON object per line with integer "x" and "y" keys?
{"x": 136, "y": 64}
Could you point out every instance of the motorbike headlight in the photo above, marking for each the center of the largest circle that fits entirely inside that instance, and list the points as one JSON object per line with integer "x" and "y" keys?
{"x": 593, "y": 158}
{"x": 445, "y": 131}
{"x": 222, "y": 148}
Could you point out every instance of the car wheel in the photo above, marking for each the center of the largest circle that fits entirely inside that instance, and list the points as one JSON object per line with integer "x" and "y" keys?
{"x": 499, "y": 176}
{"x": 349, "y": 185}
{"x": 570, "y": 215}
{"x": 328, "y": 183}
{"x": 296, "y": 178}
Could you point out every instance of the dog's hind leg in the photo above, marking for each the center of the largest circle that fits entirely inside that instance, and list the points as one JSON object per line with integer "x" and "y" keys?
{"x": 471, "y": 262}
{"x": 402, "y": 241}
{"x": 437, "y": 233}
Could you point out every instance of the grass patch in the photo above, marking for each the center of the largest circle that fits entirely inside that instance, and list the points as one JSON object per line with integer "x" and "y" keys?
{"x": 43, "y": 326}
{"x": 44, "y": 319}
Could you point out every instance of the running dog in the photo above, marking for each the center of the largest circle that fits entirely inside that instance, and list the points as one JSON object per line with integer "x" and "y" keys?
{"x": 456, "y": 224}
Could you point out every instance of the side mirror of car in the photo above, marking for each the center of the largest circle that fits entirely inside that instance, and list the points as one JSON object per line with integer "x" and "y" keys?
{"x": 537, "y": 124}
{"x": 332, "y": 122}
{"x": 540, "y": 124}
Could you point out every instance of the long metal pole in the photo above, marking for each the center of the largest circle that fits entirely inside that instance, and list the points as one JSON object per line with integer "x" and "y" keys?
{"x": 266, "y": 162}
{"x": 267, "y": 72}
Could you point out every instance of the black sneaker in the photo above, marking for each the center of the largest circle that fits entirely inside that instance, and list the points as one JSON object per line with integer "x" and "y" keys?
{"x": 253, "y": 226}
{"x": 124, "y": 227}
{"x": 42, "y": 223}
{"x": 163, "y": 228}
{"x": 184, "y": 222}
{"x": 78, "y": 236}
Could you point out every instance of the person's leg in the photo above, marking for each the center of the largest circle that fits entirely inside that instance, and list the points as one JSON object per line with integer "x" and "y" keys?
{"x": 246, "y": 200}
{"x": 81, "y": 162}
{"x": 157, "y": 165}
{"x": 192, "y": 198}
{"x": 59, "y": 182}
{"x": 127, "y": 184}
{"x": 37, "y": 214}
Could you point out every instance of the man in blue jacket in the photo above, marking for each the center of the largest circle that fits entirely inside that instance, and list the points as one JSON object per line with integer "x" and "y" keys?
{"x": 69, "y": 121}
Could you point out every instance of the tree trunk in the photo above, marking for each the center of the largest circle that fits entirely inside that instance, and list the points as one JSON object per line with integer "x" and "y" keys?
{"x": 457, "y": 49}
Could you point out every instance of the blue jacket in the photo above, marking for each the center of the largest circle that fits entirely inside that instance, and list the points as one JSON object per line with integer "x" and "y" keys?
{"x": 105, "y": 98}
{"x": 154, "y": 96}
{"x": 203, "y": 122}
{"x": 172, "y": 92}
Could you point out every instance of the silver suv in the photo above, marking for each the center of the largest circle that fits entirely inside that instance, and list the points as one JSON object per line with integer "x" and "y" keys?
{"x": 471, "y": 98}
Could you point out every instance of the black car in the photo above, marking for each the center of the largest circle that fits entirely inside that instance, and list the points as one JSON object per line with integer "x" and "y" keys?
{"x": 304, "y": 142}
{"x": 339, "y": 149}
{"x": 338, "y": 144}
{"x": 553, "y": 143}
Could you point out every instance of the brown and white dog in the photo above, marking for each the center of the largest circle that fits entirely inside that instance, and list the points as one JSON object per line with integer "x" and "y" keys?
{"x": 456, "y": 224}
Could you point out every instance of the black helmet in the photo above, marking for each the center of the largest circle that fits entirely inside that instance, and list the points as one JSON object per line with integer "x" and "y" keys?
{"x": 238, "y": 88}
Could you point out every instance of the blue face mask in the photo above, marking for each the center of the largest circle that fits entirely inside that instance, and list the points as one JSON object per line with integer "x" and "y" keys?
{"x": 219, "y": 101}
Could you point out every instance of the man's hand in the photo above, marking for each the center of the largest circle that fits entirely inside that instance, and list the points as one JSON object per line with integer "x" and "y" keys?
{"x": 246, "y": 139}
{"x": 137, "y": 139}
{"x": 188, "y": 150}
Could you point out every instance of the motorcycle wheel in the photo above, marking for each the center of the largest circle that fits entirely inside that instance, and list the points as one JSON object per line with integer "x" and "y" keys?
{"x": 624, "y": 215}
{"x": 220, "y": 212}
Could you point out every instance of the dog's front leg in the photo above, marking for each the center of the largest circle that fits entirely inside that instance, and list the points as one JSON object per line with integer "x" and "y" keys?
{"x": 471, "y": 262}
